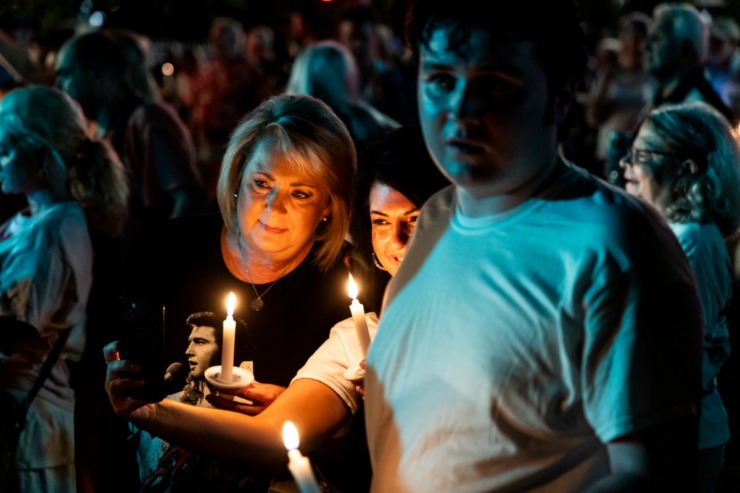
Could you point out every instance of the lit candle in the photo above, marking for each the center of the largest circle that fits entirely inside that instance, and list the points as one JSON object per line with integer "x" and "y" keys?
{"x": 299, "y": 465}
{"x": 358, "y": 316}
{"x": 227, "y": 346}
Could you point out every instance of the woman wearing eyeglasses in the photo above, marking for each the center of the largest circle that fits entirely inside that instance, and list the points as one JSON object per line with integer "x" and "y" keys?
{"x": 684, "y": 162}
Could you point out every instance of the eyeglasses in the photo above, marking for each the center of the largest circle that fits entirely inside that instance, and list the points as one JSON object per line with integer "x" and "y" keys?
{"x": 642, "y": 156}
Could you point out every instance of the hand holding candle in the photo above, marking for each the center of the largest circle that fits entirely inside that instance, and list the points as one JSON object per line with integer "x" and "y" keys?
{"x": 358, "y": 316}
{"x": 227, "y": 346}
{"x": 299, "y": 465}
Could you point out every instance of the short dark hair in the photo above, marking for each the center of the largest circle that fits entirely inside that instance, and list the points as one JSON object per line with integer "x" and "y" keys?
{"x": 205, "y": 319}
{"x": 400, "y": 160}
{"x": 554, "y": 26}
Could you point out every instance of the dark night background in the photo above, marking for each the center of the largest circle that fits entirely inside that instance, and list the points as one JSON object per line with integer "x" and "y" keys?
{"x": 188, "y": 20}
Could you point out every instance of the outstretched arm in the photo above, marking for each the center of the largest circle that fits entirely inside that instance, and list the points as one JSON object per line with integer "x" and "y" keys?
{"x": 315, "y": 409}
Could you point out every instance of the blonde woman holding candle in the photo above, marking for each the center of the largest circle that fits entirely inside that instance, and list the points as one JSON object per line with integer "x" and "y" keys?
{"x": 396, "y": 176}
{"x": 278, "y": 245}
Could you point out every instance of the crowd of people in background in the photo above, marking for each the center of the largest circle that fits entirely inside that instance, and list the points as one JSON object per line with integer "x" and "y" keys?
{"x": 241, "y": 63}
{"x": 165, "y": 171}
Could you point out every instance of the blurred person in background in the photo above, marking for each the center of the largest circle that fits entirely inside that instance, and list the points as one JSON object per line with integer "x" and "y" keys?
{"x": 387, "y": 76}
{"x": 77, "y": 193}
{"x": 148, "y": 136}
{"x": 327, "y": 70}
{"x": 135, "y": 46}
{"x": 158, "y": 154}
{"x": 676, "y": 53}
{"x": 227, "y": 88}
{"x": 685, "y": 162}
{"x": 723, "y": 62}
{"x": 621, "y": 90}
{"x": 19, "y": 67}
{"x": 261, "y": 52}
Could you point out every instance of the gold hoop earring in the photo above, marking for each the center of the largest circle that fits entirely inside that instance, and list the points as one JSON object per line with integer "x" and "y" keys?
{"x": 377, "y": 262}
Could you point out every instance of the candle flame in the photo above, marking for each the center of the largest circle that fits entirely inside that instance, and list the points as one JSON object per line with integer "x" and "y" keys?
{"x": 290, "y": 435}
{"x": 352, "y": 288}
{"x": 230, "y": 304}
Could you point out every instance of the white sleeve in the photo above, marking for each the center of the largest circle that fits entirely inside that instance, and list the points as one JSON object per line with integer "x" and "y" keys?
{"x": 340, "y": 351}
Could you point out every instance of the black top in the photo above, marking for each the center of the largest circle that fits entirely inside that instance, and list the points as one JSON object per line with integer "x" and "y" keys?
{"x": 298, "y": 313}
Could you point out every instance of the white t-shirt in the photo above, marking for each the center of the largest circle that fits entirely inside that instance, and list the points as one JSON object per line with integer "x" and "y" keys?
{"x": 513, "y": 346}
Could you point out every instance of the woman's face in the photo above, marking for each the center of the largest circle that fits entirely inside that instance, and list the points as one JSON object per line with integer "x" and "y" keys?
{"x": 19, "y": 167}
{"x": 393, "y": 218}
{"x": 278, "y": 209}
{"x": 638, "y": 179}
{"x": 639, "y": 173}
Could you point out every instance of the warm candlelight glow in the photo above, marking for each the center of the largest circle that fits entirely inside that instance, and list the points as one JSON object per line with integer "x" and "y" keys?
{"x": 352, "y": 288}
{"x": 299, "y": 465}
{"x": 227, "y": 343}
{"x": 358, "y": 316}
{"x": 230, "y": 304}
{"x": 290, "y": 435}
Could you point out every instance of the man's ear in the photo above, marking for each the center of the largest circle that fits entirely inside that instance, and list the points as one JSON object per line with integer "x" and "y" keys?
{"x": 564, "y": 98}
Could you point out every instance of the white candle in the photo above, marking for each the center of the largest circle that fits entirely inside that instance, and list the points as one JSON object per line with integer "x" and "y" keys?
{"x": 358, "y": 316}
{"x": 227, "y": 344}
{"x": 299, "y": 465}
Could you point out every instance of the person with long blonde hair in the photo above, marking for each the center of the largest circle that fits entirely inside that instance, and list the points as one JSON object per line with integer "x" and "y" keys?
{"x": 73, "y": 185}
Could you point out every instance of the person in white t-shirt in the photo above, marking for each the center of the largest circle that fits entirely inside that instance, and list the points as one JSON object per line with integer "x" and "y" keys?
{"x": 543, "y": 332}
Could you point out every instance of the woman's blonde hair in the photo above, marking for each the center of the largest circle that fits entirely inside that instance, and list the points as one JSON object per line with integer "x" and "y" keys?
{"x": 697, "y": 132}
{"x": 316, "y": 141}
{"x": 40, "y": 117}
{"x": 326, "y": 70}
